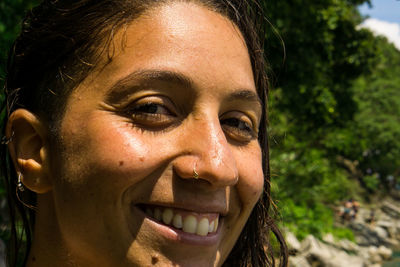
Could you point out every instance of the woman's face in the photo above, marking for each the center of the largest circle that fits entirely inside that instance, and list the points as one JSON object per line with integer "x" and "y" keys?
{"x": 178, "y": 97}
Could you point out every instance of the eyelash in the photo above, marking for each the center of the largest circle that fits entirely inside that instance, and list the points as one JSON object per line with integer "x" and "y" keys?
{"x": 149, "y": 115}
{"x": 239, "y": 127}
{"x": 151, "y": 109}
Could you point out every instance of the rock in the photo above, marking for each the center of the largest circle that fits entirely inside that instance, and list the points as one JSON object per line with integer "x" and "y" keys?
{"x": 392, "y": 227}
{"x": 390, "y": 209}
{"x": 385, "y": 224}
{"x": 381, "y": 216}
{"x": 342, "y": 244}
{"x": 363, "y": 215}
{"x": 314, "y": 248}
{"x": 298, "y": 261}
{"x": 328, "y": 238}
{"x": 325, "y": 255}
{"x": 348, "y": 246}
{"x": 292, "y": 242}
{"x": 382, "y": 233}
{"x": 341, "y": 259}
{"x": 365, "y": 236}
{"x": 374, "y": 256}
{"x": 370, "y": 250}
{"x": 364, "y": 253}
{"x": 384, "y": 252}
{"x": 394, "y": 243}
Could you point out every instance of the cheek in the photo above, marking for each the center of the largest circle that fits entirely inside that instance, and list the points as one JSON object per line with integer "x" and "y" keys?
{"x": 119, "y": 147}
{"x": 109, "y": 146}
{"x": 118, "y": 139}
{"x": 251, "y": 182}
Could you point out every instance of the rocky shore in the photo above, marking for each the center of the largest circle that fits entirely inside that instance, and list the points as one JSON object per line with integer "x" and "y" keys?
{"x": 374, "y": 242}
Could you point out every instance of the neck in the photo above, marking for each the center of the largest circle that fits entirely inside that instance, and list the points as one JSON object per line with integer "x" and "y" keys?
{"x": 48, "y": 247}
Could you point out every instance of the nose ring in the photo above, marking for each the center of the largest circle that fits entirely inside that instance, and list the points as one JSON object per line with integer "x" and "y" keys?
{"x": 195, "y": 174}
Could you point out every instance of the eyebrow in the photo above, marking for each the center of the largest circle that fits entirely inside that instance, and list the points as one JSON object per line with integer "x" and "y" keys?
{"x": 247, "y": 95}
{"x": 140, "y": 78}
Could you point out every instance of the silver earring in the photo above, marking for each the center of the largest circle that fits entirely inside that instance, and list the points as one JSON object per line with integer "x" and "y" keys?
{"x": 6, "y": 140}
{"x": 20, "y": 186}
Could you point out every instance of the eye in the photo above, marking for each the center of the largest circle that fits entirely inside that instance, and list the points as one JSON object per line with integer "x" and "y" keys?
{"x": 152, "y": 112}
{"x": 151, "y": 108}
{"x": 238, "y": 126}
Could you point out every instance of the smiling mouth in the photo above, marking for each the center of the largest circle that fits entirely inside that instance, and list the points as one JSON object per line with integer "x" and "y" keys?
{"x": 201, "y": 224}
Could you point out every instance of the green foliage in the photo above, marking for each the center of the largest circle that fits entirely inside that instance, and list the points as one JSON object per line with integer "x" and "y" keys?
{"x": 372, "y": 137}
{"x": 378, "y": 119}
{"x": 324, "y": 53}
{"x": 11, "y": 14}
{"x": 335, "y": 96}
{"x": 371, "y": 181}
{"x": 343, "y": 233}
{"x": 308, "y": 185}
{"x": 303, "y": 219}
{"x": 310, "y": 170}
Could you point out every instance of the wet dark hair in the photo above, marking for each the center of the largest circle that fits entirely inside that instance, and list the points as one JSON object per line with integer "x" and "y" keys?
{"x": 60, "y": 43}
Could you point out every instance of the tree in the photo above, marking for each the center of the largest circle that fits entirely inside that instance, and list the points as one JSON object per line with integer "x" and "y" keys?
{"x": 378, "y": 121}
{"x": 11, "y": 14}
{"x": 314, "y": 106}
{"x": 325, "y": 52}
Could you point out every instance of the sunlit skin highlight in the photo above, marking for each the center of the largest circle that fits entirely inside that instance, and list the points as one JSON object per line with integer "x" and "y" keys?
{"x": 179, "y": 93}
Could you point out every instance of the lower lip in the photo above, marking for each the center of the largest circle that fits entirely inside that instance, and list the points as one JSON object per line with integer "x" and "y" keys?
{"x": 180, "y": 236}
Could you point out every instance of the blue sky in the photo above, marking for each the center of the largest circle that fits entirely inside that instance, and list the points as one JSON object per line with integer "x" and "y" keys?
{"x": 387, "y": 10}
{"x": 384, "y": 19}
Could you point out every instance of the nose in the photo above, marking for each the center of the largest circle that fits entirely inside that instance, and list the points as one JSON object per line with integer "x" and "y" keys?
{"x": 206, "y": 153}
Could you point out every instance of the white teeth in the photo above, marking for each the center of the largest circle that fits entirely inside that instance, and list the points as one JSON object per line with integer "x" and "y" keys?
{"x": 202, "y": 227}
{"x": 167, "y": 216}
{"x": 157, "y": 214}
{"x": 177, "y": 221}
{"x": 190, "y": 224}
{"x": 211, "y": 227}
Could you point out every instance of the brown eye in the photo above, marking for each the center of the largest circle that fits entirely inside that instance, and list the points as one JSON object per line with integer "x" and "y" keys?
{"x": 151, "y": 108}
{"x": 238, "y": 127}
{"x": 152, "y": 113}
{"x": 237, "y": 123}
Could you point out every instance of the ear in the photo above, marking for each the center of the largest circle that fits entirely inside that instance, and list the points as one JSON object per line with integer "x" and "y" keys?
{"x": 29, "y": 149}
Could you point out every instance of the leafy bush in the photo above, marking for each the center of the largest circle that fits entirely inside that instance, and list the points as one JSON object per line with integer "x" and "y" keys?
{"x": 371, "y": 182}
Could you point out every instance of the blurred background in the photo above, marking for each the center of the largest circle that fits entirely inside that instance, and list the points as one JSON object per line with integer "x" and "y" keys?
{"x": 334, "y": 112}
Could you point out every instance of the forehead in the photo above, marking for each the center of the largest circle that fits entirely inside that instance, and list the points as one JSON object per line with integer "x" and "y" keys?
{"x": 184, "y": 37}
